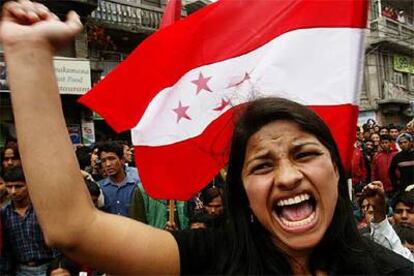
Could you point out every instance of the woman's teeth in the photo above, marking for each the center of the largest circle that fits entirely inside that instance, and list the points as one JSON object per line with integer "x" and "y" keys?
{"x": 293, "y": 200}
{"x": 297, "y": 211}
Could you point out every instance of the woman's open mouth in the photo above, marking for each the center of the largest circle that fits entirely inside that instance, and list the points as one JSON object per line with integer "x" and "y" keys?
{"x": 297, "y": 213}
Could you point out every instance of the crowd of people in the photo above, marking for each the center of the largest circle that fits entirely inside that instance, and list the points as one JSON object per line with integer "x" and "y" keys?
{"x": 114, "y": 186}
{"x": 282, "y": 208}
{"x": 386, "y": 154}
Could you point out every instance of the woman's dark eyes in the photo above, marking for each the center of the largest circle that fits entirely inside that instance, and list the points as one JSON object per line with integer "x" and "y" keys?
{"x": 268, "y": 166}
{"x": 306, "y": 154}
{"x": 262, "y": 168}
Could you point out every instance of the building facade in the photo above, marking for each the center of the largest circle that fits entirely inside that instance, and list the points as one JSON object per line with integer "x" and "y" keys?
{"x": 387, "y": 94}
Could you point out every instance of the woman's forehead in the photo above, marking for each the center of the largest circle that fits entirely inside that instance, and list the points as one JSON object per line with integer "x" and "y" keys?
{"x": 277, "y": 135}
{"x": 281, "y": 130}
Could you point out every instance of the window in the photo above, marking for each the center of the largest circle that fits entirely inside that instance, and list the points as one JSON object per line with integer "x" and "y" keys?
{"x": 411, "y": 82}
{"x": 400, "y": 79}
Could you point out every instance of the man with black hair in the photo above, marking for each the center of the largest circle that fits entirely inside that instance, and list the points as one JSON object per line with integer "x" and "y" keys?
{"x": 118, "y": 187}
{"x": 128, "y": 154}
{"x": 10, "y": 157}
{"x": 83, "y": 154}
{"x": 381, "y": 164}
{"x": 383, "y": 131}
{"x": 403, "y": 207}
{"x": 394, "y": 131}
{"x": 402, "y": 165}
{"x": 94, "y": 191}
{"x": 406, "y": 235}
{"x": 358, "y": 164}
{"x": 25, "y": 250}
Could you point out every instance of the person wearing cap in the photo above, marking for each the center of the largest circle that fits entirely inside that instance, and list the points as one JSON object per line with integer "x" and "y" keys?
{"x": 402, "y": 165}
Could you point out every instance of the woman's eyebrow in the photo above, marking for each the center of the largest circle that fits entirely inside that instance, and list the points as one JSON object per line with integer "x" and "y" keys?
{"x": 301, "y": 144}
{"x": 259, "y": 155}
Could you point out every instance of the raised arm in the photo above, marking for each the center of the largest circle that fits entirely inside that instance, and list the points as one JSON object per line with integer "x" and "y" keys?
{"x": 30, "y": 35}
{"x": 381, "y": 230}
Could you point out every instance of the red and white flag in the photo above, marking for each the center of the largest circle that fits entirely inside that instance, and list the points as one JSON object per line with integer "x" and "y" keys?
{"x": 178, "y": 90}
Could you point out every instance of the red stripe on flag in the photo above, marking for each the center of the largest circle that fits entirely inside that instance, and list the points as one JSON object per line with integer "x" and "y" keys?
{"x": 208, "y": 36}
{"x": 341, "y": 120}
{"x": 206, "y": 154}
{"x": 194, "y": 162}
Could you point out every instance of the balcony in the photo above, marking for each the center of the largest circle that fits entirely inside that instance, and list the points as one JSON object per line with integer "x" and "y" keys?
{"x": 387, "y": 30}
{"x": 394, "y": 92}
{"x": 127, "y": 16}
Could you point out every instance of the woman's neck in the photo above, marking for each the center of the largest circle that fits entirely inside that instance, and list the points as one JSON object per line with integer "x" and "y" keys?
{"x": 299, "y": 265}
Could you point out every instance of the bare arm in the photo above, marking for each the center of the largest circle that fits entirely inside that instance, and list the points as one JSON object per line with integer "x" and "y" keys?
{"x": 30, "y": 35}
{"x": 381, "y": 230}
{"x": 375, "y": 195}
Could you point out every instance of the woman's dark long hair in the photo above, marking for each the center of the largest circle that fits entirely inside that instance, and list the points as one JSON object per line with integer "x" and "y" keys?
{"x": 252, "y": 250}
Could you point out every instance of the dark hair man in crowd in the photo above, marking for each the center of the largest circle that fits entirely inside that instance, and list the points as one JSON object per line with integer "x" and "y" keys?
{"x": 213, "y": 205}
{"x": 383, "y": 131}
{"x": 10, "y": 157}
{"x": 402, "y": 166}
{"x": 403, "y": 208}
{"x": 119, "y": 188}
{"x": 394, "y": 132}
{"x": 369, "y": 150}
{"x": 365, "y": 164}
{"x": 199, "y": 220}
{"x": 358, "y": 164}
{"x": 128, "y": 154}
{"x": 129, "y": 161}
{"x": 83, "y": 154}
{"x": 381, "y": 164}
{"x": 406, "y": 235}
{"x": 25, "y": 251}
{"x": 94, "y": 191}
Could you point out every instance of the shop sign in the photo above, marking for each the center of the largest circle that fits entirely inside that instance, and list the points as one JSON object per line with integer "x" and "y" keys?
{"x": 404, "y": 64}
{"x": 74, "y": 133}
{"x": 73, "y": 76}
{"x": 88, "y": 132}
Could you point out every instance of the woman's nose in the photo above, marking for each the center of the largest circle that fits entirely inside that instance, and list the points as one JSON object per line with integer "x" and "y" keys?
{"x": 287, "y": 175}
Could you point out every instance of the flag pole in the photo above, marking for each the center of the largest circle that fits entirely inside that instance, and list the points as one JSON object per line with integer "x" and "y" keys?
{"x": 171, "y": 211}
{"x": 171, "y": 14}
